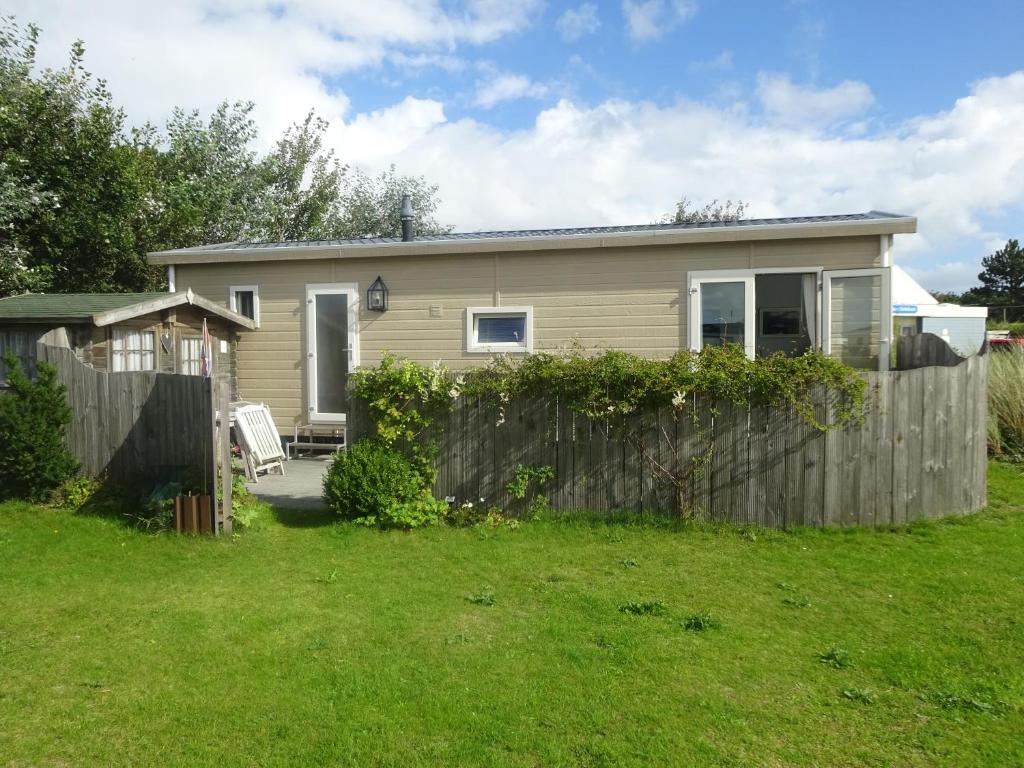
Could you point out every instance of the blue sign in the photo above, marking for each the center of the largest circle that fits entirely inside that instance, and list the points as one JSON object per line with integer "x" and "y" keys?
{"x": 904, "y": 309}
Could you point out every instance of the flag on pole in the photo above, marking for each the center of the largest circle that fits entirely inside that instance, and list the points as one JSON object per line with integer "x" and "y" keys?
{"x": 206, "y": 352}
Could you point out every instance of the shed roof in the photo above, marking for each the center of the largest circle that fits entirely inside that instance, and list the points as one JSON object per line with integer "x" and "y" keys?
{"x": 105, "y": 308}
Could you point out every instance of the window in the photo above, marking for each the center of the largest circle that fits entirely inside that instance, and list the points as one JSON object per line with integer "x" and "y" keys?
{"x": 132, "y": 350}
{"x": 780, "y": 321}
{"x": 245, "y": 300}
{"x": 499, "y": 329}
{"x": 191, "y": 355}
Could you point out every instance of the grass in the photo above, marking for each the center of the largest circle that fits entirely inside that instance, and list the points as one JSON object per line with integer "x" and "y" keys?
{"x": 1006, "y": 401}
{"x": 308, "y": 643}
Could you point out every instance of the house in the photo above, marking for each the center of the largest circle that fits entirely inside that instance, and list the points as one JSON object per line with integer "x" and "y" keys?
{"x": 322, "y": 308}
{"x": 917, "y": 311}
{"x": 124, "y": 331}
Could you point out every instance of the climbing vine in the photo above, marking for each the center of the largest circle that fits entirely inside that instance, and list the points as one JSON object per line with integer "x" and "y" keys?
{"x": 405, "y": 399}
{"x": 613, "y": 383}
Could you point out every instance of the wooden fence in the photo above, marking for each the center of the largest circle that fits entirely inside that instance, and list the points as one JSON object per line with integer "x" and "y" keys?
{"x": 145, "y": 427}
{"x": 920, "y": 452}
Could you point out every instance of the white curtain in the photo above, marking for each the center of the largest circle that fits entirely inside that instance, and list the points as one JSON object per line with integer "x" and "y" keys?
{"x": 810, "y": 307}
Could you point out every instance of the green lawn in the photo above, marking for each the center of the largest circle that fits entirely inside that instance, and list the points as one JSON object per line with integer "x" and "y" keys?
{"x": 308, "y": 643}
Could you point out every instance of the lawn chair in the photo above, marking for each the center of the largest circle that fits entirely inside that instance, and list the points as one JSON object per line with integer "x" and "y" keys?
{"x": 259, "y": 439}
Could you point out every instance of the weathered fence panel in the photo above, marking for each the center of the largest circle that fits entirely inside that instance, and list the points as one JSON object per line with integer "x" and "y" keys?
{"x": 924, "y": 349}
{"x": 139, "y": 426}
{"x": 919, "y": 453}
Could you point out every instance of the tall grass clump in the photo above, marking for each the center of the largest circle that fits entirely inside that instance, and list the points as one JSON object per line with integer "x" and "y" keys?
{"x": 1006, "y": 403}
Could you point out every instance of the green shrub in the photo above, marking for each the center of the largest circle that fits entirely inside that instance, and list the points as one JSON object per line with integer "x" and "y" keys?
{"x": 406, "y": 515}
{"x": 369, "y": 479}
{"x": 34, "y": 460}
{"x": 76, "y": 492}
{"x": 1006, "y": 402}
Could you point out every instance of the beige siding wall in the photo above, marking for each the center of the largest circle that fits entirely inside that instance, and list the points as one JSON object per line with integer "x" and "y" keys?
{"x": 624, "y": 298}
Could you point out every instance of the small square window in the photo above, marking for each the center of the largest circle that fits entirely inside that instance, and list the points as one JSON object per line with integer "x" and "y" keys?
{"x": 499, "y": 329}
{"x": 245, "y": 300}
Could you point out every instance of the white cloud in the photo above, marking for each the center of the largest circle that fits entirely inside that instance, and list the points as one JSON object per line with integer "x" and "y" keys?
{"x": 506, "y": 87}
{"x": 578, "y": 22}
{"x": 650, "y": 19}
{"x": 286, "y": 57}
{"x": 613, "y": 162}
{"x": 626, "y": 162}
{"x": 786, "y": 102}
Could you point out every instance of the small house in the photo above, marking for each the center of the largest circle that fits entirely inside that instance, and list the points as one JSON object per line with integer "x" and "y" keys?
{"x": 124, "y": 331}
{"x": 321, "y": 308}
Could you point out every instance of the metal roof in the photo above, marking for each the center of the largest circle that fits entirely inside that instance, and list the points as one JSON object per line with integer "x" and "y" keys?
{"x": 546, "y": 233}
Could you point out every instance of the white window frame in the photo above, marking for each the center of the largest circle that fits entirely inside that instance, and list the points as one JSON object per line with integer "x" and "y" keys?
{"x": 233, "y": 301}
{"x": 199, "y": 360}
{"x": 746, "y": 276}
{"x": 312, "y": 291}
{"x": 885, "y": 332}
{"x": 472, "y": 315}
{"x": 118, "y": 335}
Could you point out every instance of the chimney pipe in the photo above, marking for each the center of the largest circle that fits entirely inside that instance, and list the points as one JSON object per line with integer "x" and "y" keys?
{"x": 407, "y": 218}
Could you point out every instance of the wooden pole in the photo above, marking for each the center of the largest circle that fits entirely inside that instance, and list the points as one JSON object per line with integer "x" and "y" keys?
{"x": 223, "y": 445}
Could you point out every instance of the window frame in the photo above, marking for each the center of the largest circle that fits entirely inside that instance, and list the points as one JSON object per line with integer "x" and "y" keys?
{"x": 125, "y": 351}
{"x": 233, "y": 300}
{"x": 351, "y": 290}
{"x": 474, "y": 313}
{"x": 747, "y": 276}
{"x": 182, "y": 339}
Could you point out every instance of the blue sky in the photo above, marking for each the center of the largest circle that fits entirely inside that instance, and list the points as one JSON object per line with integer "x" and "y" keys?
{"x": 536, "y": 113}
{"x": 916, "y": 56}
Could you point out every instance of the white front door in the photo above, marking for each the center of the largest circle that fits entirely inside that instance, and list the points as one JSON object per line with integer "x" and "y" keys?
{"x": 332, "y": 347}
{"x": 856, "y": 323}
{"x": 721, "y": 312}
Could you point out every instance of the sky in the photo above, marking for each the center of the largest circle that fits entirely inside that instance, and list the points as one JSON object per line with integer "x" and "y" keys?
{"x": 546, "y": 114}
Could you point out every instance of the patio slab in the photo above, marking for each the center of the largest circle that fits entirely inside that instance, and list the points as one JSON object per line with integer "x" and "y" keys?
{"x": 300, "y": 487}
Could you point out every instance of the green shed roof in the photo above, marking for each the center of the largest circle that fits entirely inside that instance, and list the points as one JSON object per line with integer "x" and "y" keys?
{"x": 105, "y": 308}
{"x": 68, "y": 306}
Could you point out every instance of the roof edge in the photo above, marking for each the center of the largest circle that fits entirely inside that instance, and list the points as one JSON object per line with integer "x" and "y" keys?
{"x": 171, "y": 300}
{"x": 894, "y": 224}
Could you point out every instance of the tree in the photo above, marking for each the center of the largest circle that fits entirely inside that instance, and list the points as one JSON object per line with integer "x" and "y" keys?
{"x": 687, "y": 212}
{"x": 63, "y": 142}
{"x": 1003, "y": 275}
{"x": 371, "y": 205}
{"x": 83, "y": 198}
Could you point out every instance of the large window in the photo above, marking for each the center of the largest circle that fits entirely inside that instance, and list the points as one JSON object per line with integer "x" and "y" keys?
{"x": 245, "y": 300}
{"x": 499, "y": 329}
{"x": 132, "y": 350}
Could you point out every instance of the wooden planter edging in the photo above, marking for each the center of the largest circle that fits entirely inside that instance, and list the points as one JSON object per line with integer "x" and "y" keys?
{"x": 193, "y": 514}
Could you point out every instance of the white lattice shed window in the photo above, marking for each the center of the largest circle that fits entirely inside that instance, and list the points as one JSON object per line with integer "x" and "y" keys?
{"x": 132, "y": 350}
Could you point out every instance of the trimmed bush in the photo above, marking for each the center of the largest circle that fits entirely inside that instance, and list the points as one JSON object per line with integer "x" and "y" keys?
{"x": 368, "y": 479}
{"x": 34, "y": 460}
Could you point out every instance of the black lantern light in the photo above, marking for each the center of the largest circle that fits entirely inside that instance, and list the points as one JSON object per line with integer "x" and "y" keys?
{"x": 377, "y": 296}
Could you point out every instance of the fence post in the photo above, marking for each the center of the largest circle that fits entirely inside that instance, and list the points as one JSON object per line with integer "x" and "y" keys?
{"x": 223, "y": 449}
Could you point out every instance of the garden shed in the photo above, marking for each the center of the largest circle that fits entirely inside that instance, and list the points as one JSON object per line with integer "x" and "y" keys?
{"x": 117, "y": 332}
